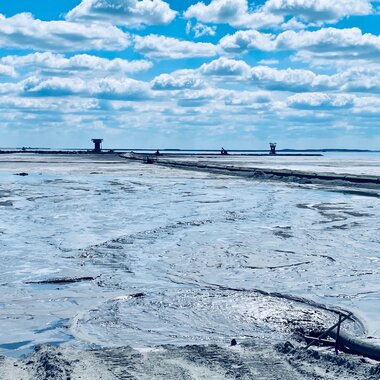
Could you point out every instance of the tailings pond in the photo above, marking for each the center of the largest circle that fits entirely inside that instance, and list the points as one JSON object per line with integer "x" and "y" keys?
{"x": 98, "y": 251}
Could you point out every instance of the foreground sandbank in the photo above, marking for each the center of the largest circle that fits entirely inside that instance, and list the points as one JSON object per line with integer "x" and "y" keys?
{"x": 248, "y": 361}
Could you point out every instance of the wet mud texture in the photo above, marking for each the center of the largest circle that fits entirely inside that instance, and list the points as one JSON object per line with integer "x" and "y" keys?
{"x": 282, "y": 362}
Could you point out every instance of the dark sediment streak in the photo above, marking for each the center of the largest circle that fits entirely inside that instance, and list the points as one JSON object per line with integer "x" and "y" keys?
{"x": 62, "y": 281}
{"x": 280, "y": 266}
{"x": 270, "y": 174}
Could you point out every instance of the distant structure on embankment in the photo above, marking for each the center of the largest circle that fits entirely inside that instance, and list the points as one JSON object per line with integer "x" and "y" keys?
{"x": 97, "y": 145}
{"x": 272, "y": 148}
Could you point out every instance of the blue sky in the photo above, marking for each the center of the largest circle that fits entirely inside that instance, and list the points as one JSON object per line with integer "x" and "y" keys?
{"x": 190, "y": 74}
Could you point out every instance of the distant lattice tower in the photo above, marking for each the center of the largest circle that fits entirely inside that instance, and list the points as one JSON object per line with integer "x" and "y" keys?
{"x": 97, "y": 145}
{"x": 272, "y": 148}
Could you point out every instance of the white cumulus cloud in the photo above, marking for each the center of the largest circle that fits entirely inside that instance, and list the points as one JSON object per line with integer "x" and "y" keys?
{"x": 7, "y": 70}
{"x": 315, "y": 11}
{"x": 360, "y": 79}
{"x": 23, "y": 31}
{"x": 132, "y": 13}
{"x": 200, "y": 98}
{"x": 200, "y": 29}
{"x": 290, "y": 79}
{"x": 84, "y": 63}
{"x": 224, "y": 66}
{"x": 327, "y": 43}
{"x": 184, "y": 79}
{"x": 272, "y": 13}
{"x": 233, "y": 12}
{"x": 105, "y": 88}
{"x": 248, "y": 98}
{"x": 161, "y": 47}
{"x": 244, "y": 40}
{"x": 322, "y": 101}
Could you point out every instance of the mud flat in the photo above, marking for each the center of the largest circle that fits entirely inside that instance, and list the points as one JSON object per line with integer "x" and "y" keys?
{"x": 145, "y": 271}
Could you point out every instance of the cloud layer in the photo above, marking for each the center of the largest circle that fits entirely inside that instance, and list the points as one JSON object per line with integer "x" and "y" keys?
{"x": 205, "y": 72}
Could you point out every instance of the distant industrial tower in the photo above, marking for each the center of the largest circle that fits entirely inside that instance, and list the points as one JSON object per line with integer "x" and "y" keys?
{"x": 272, "y": 148}
{"x": 97, "y": 145}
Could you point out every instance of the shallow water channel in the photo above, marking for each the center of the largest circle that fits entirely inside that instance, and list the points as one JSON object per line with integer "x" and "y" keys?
{"x": 168, "y": 256}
